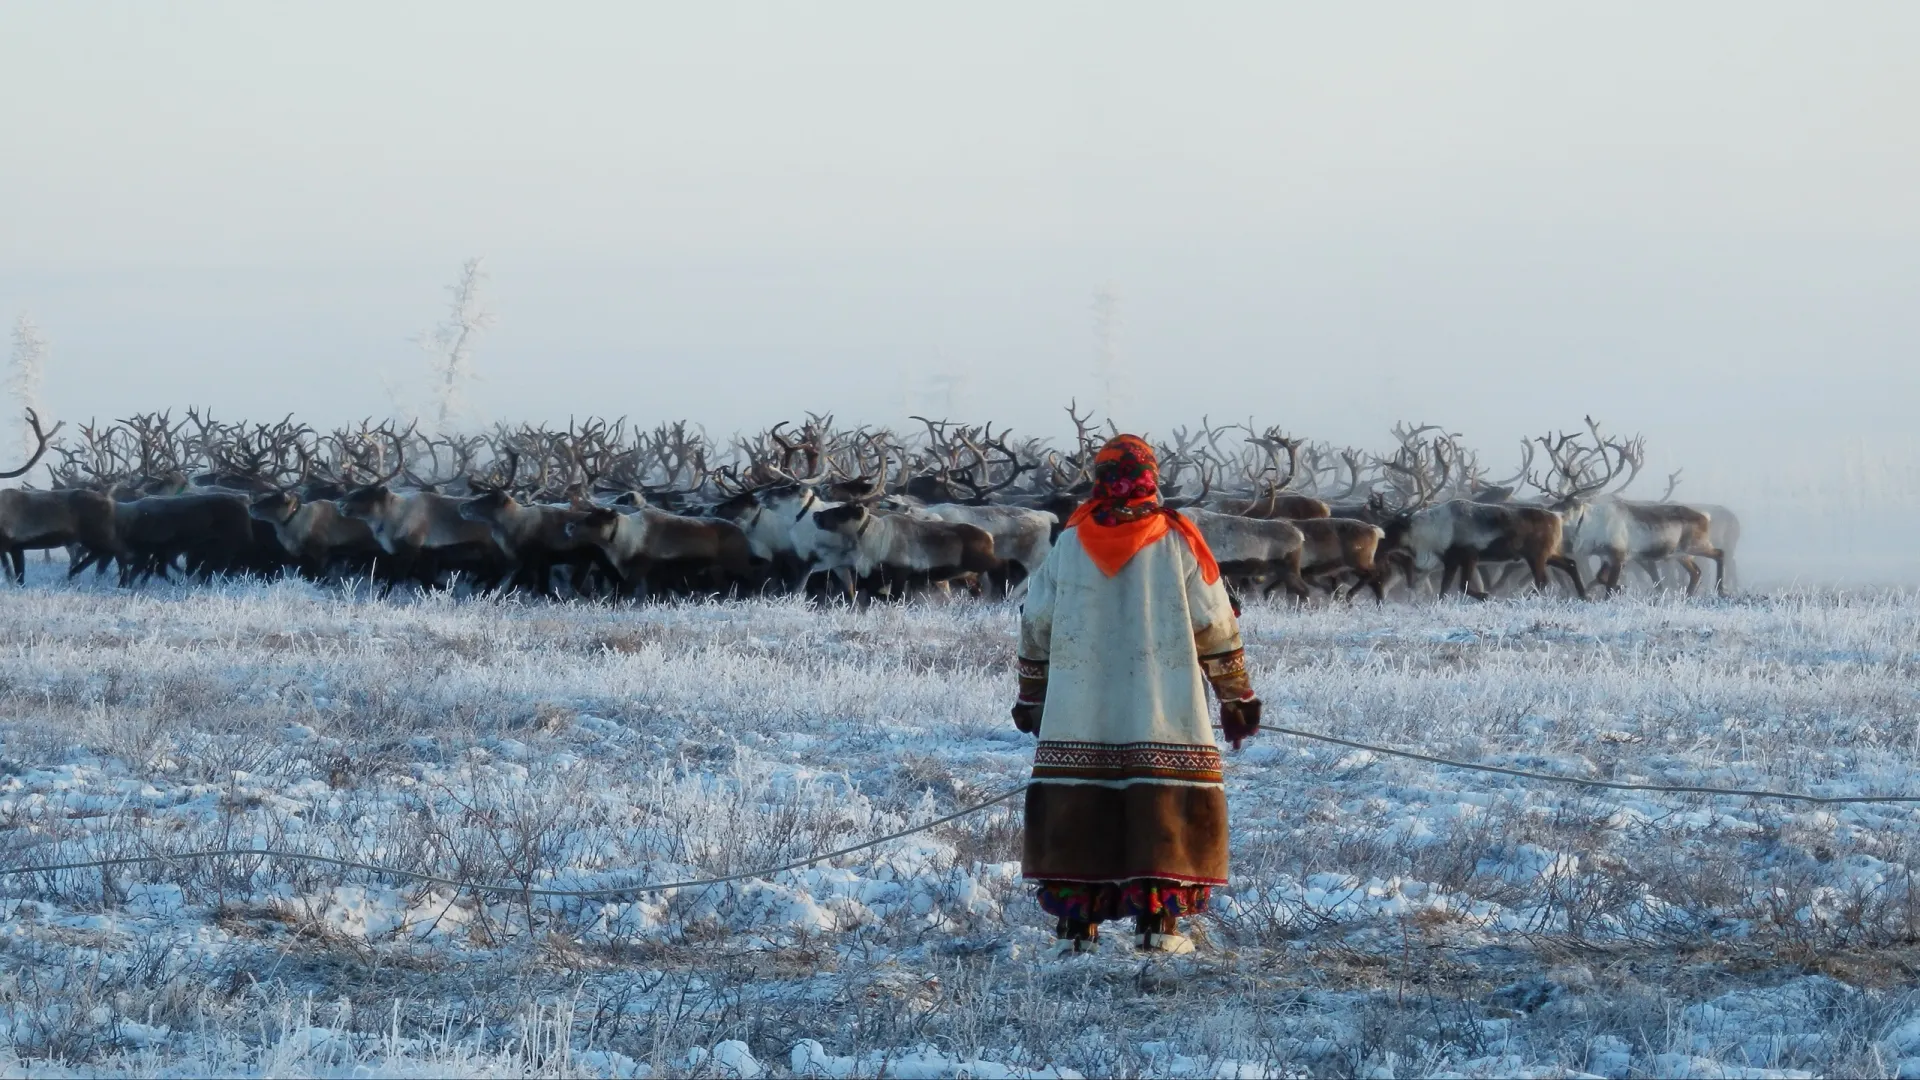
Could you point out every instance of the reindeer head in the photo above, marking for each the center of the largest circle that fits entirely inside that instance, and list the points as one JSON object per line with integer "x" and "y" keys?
{"x": 489, "y": 507}
{"x": 369, "y": 503}
{"x": 594, "y": 526}
{"x": 275, "y": 507}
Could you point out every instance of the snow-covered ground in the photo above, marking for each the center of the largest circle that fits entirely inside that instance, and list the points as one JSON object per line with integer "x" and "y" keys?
{"x": 1387, "y": 917}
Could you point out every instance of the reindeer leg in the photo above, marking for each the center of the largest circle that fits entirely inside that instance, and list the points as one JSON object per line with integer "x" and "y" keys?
{"x": 1719, "y": 558}
{"x": 639, "y": 573}
{"x": 1541, "y": 579}
{"x": 1374, "y": 576}
{"x": 1291, "y": 578}
{"x": 1651, "y": 567}
{"x": 1603, "y": 574}
{"x": 1470, "y": 567}
{"x": 1570, "y": 567}
{"x": 1693, "y": 572}
{"x": 18, "y": 555}
{"x": 602, "y": 564}
{"x": 407, "y": 563}
{"x": 1295, "y": 585}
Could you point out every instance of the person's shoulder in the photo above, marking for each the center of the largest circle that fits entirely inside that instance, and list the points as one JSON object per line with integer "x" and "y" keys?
{"x": 1066, "y": 555}
{"x": 1174, "y": 545}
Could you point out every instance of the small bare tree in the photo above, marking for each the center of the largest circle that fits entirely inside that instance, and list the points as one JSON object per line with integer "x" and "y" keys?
{"x": 27, "y": 372}
{"x": 451, "y": 343}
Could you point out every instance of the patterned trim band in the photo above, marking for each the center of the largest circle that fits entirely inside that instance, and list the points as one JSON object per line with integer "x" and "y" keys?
{"x": 1128, "y": 761}
{"x": 1227, "y": 672}
{"x": 1033, "y": 681}
{"x": 1221, "y": 665}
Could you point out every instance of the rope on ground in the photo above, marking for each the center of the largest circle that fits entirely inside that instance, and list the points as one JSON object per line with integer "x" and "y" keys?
{"x": 1617, "y": 785}
{"x": 511, "y": 890}
{"x": 699, "y": 883}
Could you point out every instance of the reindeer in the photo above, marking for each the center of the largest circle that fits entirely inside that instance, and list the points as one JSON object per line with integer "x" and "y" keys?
{"x": 1723, "y": 532}
{"x": 424, "y": 533}
{"x": 1331, "y": 548}
{"x": 1022, "y": 537}
{"x": 775, "y": 508}
{"x": 639, "y": 544}
{"x": 1253, "y": 553}
{"x": 1601, "y": 523}
{"x": 316, "y": 535}
{"x": 38, "y": 520}
{"x": 212, "y": 531}
{"x": 537, "y": 537}
{"x": 1457, "y": 535}
{"x": 1337, "y": 548}
{"x": 899, "y": 552}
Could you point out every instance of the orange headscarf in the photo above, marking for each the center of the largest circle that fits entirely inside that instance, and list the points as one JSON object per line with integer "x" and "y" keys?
{"x": 1123, "y": 515}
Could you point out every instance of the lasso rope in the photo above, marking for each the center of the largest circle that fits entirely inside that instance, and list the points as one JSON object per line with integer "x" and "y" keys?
{"x": 514, "y": 890}
{"x": 798, "y": 864}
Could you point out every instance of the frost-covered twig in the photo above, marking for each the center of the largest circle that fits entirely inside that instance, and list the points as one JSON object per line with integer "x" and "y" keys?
{"x": 27, "y": 371}
{"x": 451, "y": 343}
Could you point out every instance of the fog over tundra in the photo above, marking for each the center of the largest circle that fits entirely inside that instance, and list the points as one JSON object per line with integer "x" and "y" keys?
{"x": 1697, "y": 222}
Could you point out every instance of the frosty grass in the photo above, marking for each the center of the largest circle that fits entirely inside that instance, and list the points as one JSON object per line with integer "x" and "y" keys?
{"x": 1386, "y": 918}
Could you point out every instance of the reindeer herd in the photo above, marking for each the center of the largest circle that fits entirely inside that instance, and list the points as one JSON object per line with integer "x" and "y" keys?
{"x": 606, "y": 510}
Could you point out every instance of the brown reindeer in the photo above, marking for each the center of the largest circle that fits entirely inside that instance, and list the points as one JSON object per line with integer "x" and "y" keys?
{"x": 424, "y": 533}
{"x": 539, "y": 537}
{"x": 38, "y": 520}
{"x": 316, "y": 535}
{"x": 647, "y": 545}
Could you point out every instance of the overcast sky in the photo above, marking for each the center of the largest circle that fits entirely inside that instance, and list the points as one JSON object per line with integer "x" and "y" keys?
{"x": 1700, "y": 220}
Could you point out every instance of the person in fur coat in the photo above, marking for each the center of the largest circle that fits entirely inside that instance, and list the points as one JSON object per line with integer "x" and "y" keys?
{"x": 1124, "y": 627}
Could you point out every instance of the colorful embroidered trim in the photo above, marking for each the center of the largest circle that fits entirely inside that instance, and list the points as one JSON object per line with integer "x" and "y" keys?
{"x": 1127, "y": 761}
{"x": 1097, "y": 902}
{"x": 1227, "y": 672}
{"x": 1223, "y": 664}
